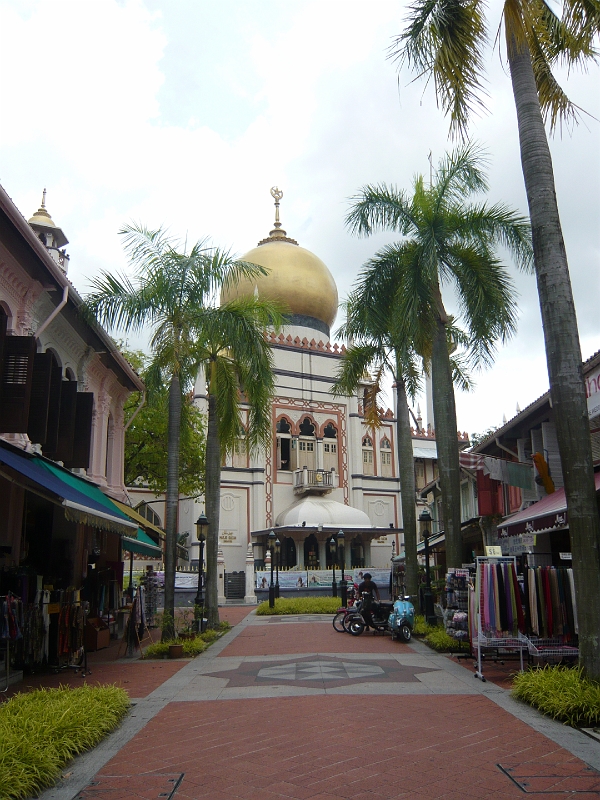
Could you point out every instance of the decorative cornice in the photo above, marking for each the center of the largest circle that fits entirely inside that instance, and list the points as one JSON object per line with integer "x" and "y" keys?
{"x": 303, "y": 344}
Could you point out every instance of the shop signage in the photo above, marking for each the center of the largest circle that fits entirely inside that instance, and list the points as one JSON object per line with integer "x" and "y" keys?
{"x": 565, "y": 556}
{"x": 493, "y": 551}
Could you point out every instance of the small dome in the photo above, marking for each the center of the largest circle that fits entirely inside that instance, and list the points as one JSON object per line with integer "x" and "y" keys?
{"x": 316, "y": 511}
{"x": 297, "y": 278}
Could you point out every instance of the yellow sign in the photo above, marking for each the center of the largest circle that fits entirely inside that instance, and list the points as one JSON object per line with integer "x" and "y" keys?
{"x": 493, "y": 551}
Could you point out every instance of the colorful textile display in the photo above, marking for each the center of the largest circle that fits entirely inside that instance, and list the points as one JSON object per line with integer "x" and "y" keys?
{"x": 500, "y": 602}
{"x": 550, "y": 607}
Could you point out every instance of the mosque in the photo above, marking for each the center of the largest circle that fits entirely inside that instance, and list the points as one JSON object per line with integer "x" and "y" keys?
{"x": 327, "y": 470}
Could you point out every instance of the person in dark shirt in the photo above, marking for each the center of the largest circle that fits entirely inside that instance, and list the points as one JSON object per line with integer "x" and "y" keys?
{"x": 369, "y": 588}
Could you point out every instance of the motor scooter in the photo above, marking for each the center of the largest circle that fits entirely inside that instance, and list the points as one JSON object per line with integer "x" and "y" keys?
{"x": 402, "y": 619}
{"x": 371, "y": 615}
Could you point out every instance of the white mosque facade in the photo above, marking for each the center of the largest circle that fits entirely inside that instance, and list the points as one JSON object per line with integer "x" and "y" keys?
{"x": 326, "y": 470}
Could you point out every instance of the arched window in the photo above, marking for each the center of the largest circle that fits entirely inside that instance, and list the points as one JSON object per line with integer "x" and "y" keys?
{"x": 385, "y": 451}
{"x": 306, "y": 445}
{"x": 367, "y": 455}
{"x": 284, "y": 444}
{"x": 330, "y": 447}
{"x": 144, "y": 510}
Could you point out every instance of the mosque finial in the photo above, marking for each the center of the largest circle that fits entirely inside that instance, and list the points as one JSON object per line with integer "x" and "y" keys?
{"x": 44, "y": 198}
{"x": 277, "y": 232}
{"x": 276, "y": 194}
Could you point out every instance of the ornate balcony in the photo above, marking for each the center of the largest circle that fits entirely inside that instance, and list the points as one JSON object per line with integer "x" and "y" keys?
{"x": 314, "y": 481}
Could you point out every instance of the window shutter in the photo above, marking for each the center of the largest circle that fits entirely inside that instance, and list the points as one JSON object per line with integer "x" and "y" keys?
{"x": 49, "y": 448}
{"x": 37, "y": 423}
{"x": 15, "y": 388}
{"x": 82, "y": 440}
{"x": 66, "y": 421}
{"x": 553, "y": 456}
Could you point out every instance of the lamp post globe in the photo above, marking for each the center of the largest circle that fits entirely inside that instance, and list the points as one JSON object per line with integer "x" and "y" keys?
{"x": 425, "y": 521}
{"x": 332, "y": 551}
{"x": 342, "y": 561}
{"x": 201, "y": 531}
{"x": 272, "y": 538}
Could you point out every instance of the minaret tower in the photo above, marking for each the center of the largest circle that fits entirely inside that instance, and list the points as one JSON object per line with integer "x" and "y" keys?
{"x": 50, "y": 235}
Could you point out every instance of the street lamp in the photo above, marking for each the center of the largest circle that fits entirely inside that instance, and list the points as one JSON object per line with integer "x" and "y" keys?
{"x": 278, "y": 557}
{"x": 201, "y": 530}
{"x": 425, "y": 524}
{"x": 332, "y": 549}
{"x": 342, "y": 561}
{"x": 272, "y": 538}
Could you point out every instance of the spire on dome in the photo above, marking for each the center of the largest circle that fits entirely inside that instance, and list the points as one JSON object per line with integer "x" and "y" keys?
{"x": 41, "y": 216}
{"x": 278, "y": 232}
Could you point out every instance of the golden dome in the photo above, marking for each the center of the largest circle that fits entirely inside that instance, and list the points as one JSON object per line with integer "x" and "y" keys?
{"x": 41, "y": 216}
{"x": 297, "y": 278}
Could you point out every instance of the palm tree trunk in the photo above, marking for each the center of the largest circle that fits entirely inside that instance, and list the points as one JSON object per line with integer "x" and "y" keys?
{"x": 444, "y": 414}
{"x": 563, "y": 355}
{"x": 406, "y": 470}
{"x": 212, "y": 486}
{"x": 172, "y": 503}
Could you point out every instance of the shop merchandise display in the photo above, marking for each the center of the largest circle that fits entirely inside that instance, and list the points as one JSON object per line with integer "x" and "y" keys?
{"x": 456, "y": 620}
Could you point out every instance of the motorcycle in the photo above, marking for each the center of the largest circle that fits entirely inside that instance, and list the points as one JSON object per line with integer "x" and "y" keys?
{"x": 398, "y": 618}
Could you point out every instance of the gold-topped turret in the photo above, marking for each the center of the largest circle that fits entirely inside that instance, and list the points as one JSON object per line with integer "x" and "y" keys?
{"x": 41, "y": 216}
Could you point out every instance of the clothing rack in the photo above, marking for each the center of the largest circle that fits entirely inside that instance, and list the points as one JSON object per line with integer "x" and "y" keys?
{"x": 491, "y": 631}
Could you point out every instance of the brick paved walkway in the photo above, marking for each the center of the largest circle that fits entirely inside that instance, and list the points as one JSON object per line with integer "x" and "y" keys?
{"x": 293, "y": 710}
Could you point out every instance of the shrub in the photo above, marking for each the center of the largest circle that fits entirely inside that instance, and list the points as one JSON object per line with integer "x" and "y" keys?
{"x": 562, "y": 693}
{"x": 438, "y": 639}
{"x": 300, "y": 605}
{"x": 421, "y": 628}
{"x": 42, "y": 730}
{"x": 191, "y": 647}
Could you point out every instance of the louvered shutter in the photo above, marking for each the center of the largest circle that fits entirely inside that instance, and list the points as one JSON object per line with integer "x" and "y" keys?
{"x": 82, "y": 441}
{"x": 49, "y": 448}
{"x": 551, "y": 454}
{"x": 37, "y": 424}
{"x": 537, "y": 446}
{"x": 66, "y": 422}
{"x": 524, "y": 451}
{"x": 15, "y": 386}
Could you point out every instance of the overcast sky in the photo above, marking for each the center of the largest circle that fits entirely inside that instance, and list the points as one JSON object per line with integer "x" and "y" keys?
{"x": 184, "y": 114}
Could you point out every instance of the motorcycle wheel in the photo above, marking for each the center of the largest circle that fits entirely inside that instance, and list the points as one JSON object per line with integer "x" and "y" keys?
{"x": 356, "y": 626}
{"x": 349, "y": 618}
{"x": 404, "y": 633}
{"x": 338, "y": 621}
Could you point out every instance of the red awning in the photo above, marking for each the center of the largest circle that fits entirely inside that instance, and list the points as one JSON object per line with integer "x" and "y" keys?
{"x": 549, "y": 513}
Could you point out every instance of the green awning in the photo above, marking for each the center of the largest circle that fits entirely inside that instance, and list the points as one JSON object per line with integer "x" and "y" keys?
{"x": 143, "y": 545}
{"x": 101, "y": 512}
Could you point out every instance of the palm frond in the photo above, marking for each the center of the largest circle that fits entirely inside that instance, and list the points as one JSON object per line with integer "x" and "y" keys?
{"x": 379, "y": 207}
{"x": 446, "y": 39}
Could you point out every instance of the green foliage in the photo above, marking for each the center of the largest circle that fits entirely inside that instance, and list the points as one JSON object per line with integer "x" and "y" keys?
{"x": 438, "y": 639}
{"x": 41, "y": 731}
{"x": 300, "y": 605}
{"x": 191, "y": 647}
{"x": 478, "y": 438}
{"x": 422, "y": 628}
{"x": 146, "y": 440}
{"x": 562, "y": 693}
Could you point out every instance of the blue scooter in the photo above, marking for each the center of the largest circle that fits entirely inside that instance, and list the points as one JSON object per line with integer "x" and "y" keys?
{"x": 402, "y": 620}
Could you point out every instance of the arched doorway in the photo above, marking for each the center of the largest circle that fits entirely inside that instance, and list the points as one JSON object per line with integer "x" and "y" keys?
{"x": 311, "y": 552}
{"x": 357, "y": 552}
{"x": 288, "y": 553}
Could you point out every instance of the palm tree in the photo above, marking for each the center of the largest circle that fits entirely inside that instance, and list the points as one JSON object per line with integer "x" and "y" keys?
{"x": 446, "y": 240}
{"x": 370, "y": 326}
{"x": 173, "y": 293}
{"x": 447, "y": 39}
